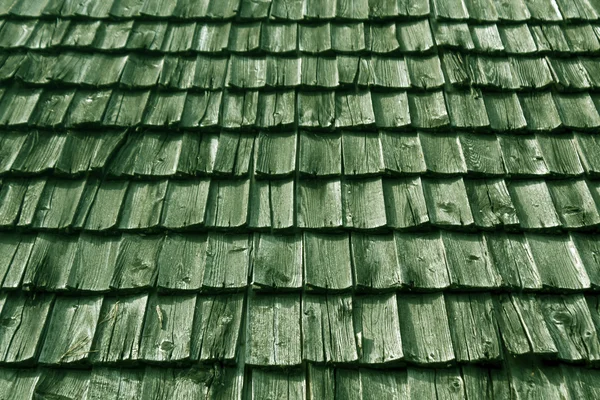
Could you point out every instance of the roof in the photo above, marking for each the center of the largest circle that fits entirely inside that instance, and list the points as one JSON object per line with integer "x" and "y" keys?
{"x": 299, "y": 199}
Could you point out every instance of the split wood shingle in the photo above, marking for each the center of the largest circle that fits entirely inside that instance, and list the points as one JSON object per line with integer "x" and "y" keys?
{"x": 390, "y": 199}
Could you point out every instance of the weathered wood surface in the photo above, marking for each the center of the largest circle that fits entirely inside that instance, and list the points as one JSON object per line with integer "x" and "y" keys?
{"x": 216, "y": 328}
{"x": 167, "y": 328}
{"x": 277, "y": 262}
{"x": 378, "y": 329}
{"x": 424, "y": 326}
{"x": 273, "y": 330}
{"x": 327, "y": 329}
{"x": 327, "y": 262}
{"x": 119, "y": 329}
{"x": 71, "y": 330}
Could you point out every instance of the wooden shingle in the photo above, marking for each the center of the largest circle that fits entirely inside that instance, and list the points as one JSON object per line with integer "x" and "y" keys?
{"x": 467, "y": 110}
{"x": 390, "y": 109}
{"x": 216, "y": 329}
{"x": 402, "y": 153}
{"x": 443, "y": 153}
{"x": 136, "y": 265}
{"x": 327, "y": 262}
{"x": 574, "y": 203}
{"x": 558, "y": 262}
{"x": 422, "y": 259}
{"x": 119, "y": 330}
{"x": 375, "y": 262}
{"x": 482, "y": 153}
{"x": 587, "y": 247}
{"x": 389, "y": 73}
{"x": 491, "y": 204}
{"x": 379, "y": 343}
{"x": 277, "y": 262}
{"x": 348, "y": 37}
{"x": 422, "y": 342}
{"x": 15, "y": 251}
{"x": 21, "y": 340}
{"x": 227, "y": 262}
{"x": 228, "y": 203}
{"x": 273, "y": 330}
{"x": 571, "y": 326}
{"x": 151, "y": 195}
{"x": 522, "y": 155}
{"x": 94, "y": 263}
{"x": 50, "y": 262}
{"x": 327, "y": 328}
{"x": 533, "y": 204}
{"x": 319, "y": 204}
{"x": 181, "y": 262}
{"x": 318, "y": 71}
{"x": 469, "y": 261}
{"x": 405, "y": 203}
{"x": 167, "y": 328}
{"x": 522, "y": 325}
{"x": 447, "y": 202}
{"x": 363, "y": 204}
{"x": 428, "y": 110}
{"x": 512, "y": 257}
{"x": 272, "y": 204}
{"x": 473, "y": 327}
{"x": 71, "y": 329}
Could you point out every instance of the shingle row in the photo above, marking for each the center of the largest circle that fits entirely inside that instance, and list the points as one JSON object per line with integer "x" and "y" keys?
{"x": 519, "y": 38}
{"x": 284, "y": 330}
{"x": 372, "y": 203}
{"x": 311, "y": 383}
{"x": 351, "y": 154}
{"x": 175, "y": 37}
{"x": 157, "y": 383}
{"x": 289, "y": 38}
{"x": 488, "y": 10}
{"x": 317, "y": 110}
{"x": 215, "y": 262}
{"x": 94, "y": 71}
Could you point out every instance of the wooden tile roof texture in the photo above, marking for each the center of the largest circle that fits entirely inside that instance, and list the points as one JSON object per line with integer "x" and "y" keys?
{"x": 299, "y": 199}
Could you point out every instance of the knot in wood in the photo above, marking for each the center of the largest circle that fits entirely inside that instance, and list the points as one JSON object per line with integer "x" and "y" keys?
{"x": 562, "y": 317}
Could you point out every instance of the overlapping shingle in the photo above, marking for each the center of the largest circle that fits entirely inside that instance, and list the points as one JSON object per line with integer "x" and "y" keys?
{"x": 207, "y": 192}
